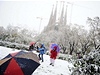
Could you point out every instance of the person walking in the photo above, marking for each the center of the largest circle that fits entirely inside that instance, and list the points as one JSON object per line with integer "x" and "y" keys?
{"x": 32, "y": 46}
{"x": 53, "y": 55}
{"x": 41, "y": 52}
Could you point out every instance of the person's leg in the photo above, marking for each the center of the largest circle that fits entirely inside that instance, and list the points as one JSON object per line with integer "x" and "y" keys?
{"x": 39, "y": 57}
{"x": 50, "y": 61}
{"x": 42, "y": 57}
{"x": 53, "y": 61}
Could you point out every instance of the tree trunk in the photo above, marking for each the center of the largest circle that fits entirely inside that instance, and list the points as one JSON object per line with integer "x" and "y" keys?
{"x": 71, "y": 47}
{"x": 85, "y": 47}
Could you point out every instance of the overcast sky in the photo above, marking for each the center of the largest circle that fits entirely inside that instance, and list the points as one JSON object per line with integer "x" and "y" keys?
{"x": 25, "y": 13}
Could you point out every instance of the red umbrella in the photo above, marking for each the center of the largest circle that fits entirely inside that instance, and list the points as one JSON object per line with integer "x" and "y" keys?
{"x": 32, "y": 43}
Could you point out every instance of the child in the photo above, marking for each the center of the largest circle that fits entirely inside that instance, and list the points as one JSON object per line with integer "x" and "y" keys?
{"x": 41, "y": 52}
{"x": 53, "y": 55}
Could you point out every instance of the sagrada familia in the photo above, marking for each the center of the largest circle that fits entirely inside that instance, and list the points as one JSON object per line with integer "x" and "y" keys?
{"x": 56, "y": 25}
{"x": 56, "y": 21}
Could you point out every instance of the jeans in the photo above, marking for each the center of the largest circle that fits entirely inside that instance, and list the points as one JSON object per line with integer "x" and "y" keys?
{"x": 41, "y": 57}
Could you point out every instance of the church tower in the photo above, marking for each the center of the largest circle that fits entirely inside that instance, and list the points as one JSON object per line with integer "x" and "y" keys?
{"x": 55, "y": 23}
{"x": 52, "y": 20}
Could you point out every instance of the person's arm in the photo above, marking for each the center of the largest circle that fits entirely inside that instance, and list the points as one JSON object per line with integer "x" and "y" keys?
{"x": 51, "y": 51}
{"x": 41, "y": 49}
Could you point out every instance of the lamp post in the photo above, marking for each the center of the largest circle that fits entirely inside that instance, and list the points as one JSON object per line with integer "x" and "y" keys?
{"x": 40, "y": 23}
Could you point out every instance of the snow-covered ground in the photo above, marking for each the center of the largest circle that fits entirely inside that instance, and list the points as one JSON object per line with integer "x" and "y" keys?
{"x": 61, "y": 67}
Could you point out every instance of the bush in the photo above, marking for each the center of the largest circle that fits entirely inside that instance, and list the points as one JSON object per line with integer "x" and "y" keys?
{"x": 14, "y": 45}
{"x": 88, "y": 65}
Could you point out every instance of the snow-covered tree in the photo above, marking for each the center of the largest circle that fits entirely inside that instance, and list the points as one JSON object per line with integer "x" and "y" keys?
{"x": 90, "y": 44}
{"x": 94, "y": 31}
{"x": 16, "y": 34}
{"x": 2, "y": 33}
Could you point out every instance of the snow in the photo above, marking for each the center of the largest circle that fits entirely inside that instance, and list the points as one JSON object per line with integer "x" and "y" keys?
{"x": 5, "y": 51}
{"x": 61, "y": 67}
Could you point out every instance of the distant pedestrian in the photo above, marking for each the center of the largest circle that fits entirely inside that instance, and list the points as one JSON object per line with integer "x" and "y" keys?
{"x": 53, "y": 55}
{"x": 32, "y": 46}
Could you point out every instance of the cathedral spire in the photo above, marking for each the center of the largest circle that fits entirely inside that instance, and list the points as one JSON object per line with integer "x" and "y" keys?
{"x": 62, "y": 15}
{"x": 65, "y": 17}
{"x": 55, "y": 14}
{"x": 51, "y": 17}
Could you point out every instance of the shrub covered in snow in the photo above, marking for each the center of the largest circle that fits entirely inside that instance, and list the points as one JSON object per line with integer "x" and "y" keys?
{"x": 88, "y": 65}
{"x": 14, "y": 45}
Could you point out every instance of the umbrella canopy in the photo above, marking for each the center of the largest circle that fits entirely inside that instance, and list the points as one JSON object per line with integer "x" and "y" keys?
{"x": 52, "y": 46}
{"x": 32, "y": 43}
{"x": 19, "y": 63}
{"x": 15, "y": 54}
